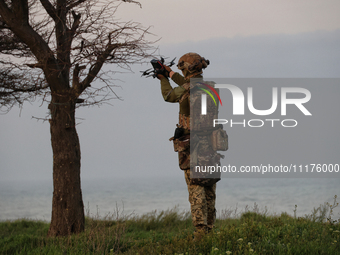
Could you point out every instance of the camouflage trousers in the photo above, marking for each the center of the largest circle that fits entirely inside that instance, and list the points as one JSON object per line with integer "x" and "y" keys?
{"x": 202, "y": 202}
{"x": 202, "y": 190}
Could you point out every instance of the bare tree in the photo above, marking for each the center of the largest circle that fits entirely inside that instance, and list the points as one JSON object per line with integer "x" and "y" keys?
{"x": 57, "y": 48}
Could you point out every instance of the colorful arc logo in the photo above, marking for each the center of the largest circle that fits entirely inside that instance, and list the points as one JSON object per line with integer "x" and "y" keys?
{"x": 209, "y": 93}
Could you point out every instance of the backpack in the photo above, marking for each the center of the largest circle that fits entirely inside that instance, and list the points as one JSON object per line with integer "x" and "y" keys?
{"x": 205, "y": 140}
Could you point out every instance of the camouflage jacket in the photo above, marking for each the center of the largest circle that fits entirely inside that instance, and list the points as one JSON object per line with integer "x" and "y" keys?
{"x": 173, "y": 95}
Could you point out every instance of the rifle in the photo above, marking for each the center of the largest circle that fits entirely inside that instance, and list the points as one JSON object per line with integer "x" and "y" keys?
{"x": 157, "y": 68}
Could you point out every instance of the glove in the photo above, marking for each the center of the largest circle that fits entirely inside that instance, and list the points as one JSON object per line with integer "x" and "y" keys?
{"x": 168, "y": 69}
{"x": 160, "y": 76}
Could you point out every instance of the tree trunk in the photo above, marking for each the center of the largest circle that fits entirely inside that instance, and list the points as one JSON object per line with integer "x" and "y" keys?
{"x": 67, "y": 205}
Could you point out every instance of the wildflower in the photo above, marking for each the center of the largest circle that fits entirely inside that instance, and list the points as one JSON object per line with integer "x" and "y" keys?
{"x": 228, "y": 252}
{"x": 335, "y": 241}
{"x": 336, "y": 231}
{"x": 251, "y": 250}
{"x": 216, "y": 249}
{"x": 330, "y": 229}
{"x": 249, "y": 243}
{"x": 241, "y": 239}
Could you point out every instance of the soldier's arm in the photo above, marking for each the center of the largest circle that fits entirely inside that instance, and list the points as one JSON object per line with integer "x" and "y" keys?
{"x": 169, "y": 93}
{"x": 178, "y": 79}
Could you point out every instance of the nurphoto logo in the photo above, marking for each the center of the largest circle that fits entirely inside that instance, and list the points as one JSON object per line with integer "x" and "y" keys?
{"x": 239, "y": 104}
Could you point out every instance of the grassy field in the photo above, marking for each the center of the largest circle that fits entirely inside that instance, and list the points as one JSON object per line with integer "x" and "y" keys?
{"x": 171, "y": 232}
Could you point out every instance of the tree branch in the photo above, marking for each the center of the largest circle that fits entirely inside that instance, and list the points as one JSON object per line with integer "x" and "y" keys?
{"x": 75, "y": 79}
{"x": 49, "y": 9}
{"x": 75, "y": 25}
{"x": 95, "y": 68}
{"x": 67, "y": 46}
{"x": 26, "y": 34}
{"x": 72, "y": 5}
{"x": 134, "y": 2}
{"x": 23, "y": 90}
{"x": 5, "y": 11}
{"x": 20, "y": 9}
{"x": 37, "y": 65}
{"x": 17, "y": 87}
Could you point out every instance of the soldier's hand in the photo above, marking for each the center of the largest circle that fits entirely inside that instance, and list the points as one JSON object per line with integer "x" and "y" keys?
{"x": 167, "y": 68}
{"x": 160, "y": 76}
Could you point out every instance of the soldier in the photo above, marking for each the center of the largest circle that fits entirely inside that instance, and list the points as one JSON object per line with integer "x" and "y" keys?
{"x": 202, "y": 195}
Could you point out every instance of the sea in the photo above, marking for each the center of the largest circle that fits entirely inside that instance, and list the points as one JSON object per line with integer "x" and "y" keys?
{"x": 137, "y": 196}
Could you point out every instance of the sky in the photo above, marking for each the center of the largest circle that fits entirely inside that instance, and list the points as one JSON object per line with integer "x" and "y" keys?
{"x": 258, "y": 38}
{"x": 197, "y": 20}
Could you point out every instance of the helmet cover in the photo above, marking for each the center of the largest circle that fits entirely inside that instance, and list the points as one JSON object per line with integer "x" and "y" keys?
{"x": 192, "y": 63}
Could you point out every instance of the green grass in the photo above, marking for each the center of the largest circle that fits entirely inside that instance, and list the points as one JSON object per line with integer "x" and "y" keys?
{"x": 171, "y": 232}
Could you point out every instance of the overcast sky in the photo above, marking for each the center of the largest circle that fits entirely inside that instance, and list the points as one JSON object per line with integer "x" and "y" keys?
{"x": 195, "y": 20}
{"x": 258, "y": 38}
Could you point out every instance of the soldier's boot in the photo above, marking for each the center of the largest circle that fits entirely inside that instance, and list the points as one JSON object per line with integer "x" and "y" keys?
{"x": 211, "y": 219}
{"x": 210, "y": 228}
{"x": 200, "y": 232}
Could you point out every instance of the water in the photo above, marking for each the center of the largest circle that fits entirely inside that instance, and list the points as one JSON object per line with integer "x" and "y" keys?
{"x": 33, "y": 199}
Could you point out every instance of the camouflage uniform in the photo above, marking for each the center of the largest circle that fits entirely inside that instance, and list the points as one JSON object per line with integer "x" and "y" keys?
{"x": 202, "y": 201}
{"x": 201, "y": 198}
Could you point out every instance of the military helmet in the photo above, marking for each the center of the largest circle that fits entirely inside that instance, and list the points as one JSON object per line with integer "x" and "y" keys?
{"x": 193, "y": 63}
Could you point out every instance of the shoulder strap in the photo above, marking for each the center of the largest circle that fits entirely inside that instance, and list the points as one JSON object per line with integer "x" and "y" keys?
{"x": 187, "y": 87}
